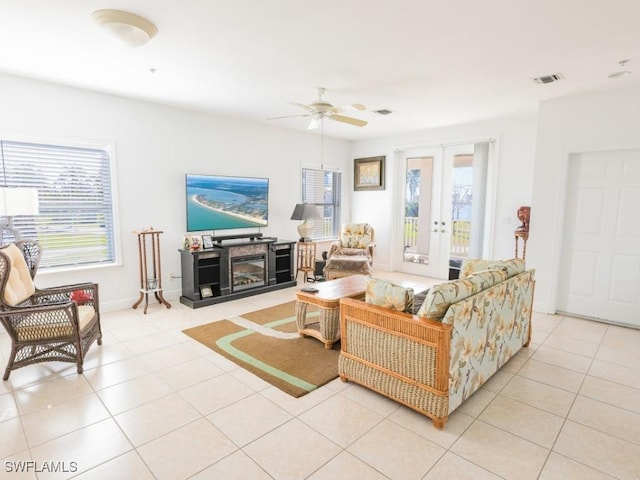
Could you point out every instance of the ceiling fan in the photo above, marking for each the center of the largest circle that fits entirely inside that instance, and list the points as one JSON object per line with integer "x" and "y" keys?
{"x": 321, "y": 109}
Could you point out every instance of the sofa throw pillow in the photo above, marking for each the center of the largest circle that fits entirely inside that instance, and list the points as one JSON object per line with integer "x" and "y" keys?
{"x": 470, "y": 265}
{"x": 442, "y": 295}
{"x": 511, "y": 267}
{"x": 487, "y": 278}
{"x": 388, "y": 294}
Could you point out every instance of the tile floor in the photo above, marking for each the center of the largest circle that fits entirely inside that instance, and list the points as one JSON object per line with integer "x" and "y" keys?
{"x": 154, "y": 403}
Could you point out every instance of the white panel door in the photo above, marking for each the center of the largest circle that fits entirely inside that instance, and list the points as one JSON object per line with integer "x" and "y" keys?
{"x": 600, "y": 268}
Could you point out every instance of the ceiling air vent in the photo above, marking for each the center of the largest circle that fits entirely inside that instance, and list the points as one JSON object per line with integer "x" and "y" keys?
{"x": 383, "y": 111}
{"x": 549, "y": 78}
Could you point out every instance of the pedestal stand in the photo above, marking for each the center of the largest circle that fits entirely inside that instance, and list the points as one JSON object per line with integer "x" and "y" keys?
{"x": 153, "y": 283}
{"x": 524, "y": 235}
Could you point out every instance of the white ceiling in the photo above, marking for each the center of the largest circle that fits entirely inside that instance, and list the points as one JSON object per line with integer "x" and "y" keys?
{"x": 433, "y": 63}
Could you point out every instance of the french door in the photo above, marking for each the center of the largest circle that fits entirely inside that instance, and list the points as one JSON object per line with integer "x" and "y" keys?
{"x": 435, "y": 208}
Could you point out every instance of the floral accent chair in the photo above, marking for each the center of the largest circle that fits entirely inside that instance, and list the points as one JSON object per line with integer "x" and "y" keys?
{"x": 352, "y": 254}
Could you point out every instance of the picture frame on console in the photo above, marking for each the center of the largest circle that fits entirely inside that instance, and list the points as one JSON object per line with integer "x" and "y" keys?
{"x": 207, "y": 242}
{"x": 206, "y": 292}
{"x": 368, "y": 173}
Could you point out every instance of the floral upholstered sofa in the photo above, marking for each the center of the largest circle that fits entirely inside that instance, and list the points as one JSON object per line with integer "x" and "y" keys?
{"x": 462, "y": 334}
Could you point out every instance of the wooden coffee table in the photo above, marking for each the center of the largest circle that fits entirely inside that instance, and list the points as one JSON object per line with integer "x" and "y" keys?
{"x": 327, "y": 299}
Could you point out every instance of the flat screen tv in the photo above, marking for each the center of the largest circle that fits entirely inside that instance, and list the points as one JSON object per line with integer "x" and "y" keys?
{"x": 219, "y": 202}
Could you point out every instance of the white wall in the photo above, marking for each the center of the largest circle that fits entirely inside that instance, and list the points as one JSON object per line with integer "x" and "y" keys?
{"x": 583, "y": 123}
{"x": 155, "y": 146}
{"x": 517, "y": 136}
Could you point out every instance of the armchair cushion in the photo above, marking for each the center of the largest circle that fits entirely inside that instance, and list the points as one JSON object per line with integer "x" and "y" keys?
{"x": 33, "y": 328}
{"x": 20, "y": 285}
{"x": 388, "y": 294}
{"x": 356, "y": 235}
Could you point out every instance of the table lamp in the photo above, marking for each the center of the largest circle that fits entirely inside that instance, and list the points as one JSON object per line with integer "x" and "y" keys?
{"x": 305, "y": 212}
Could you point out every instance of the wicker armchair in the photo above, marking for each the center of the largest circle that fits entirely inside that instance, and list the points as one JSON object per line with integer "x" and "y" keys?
{"x": 58, "y": 323}
{"x": 352, "y": 254}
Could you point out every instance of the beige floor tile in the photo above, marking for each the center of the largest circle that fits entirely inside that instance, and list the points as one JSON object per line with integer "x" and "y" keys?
{"x": 621, "y": 357}
{"x": 372, "y": 400}
{"x": 45, "y": 394}
{"x": 237, "y": 466}
{"x": 598, "y": 450}
{"x": 154, "y": 419}
{"x": 254, "y": 382}
{"x": 560, "y": 341}
{"x": 622, "y": 338}
{"x": 452, "y": 466}
{"x": 346, "y": 467}
{"x": 186, "y": 451}
{"x": 149, "y": 343}
{"x": 497, "y": 381}
{"x": 501, "y": 452}
{"x": 8, "y": 407}
{"x": 516, "y": 362}
{"x": 553, "y": 375}
{"x": 560, "y": 358}
{"x": 169, "y": 356}
{"x": 48, "y": 423}
{"x": 134, "y": 329}
{"x": 341, "y": 419}
{"x": 616, "y": 373}
{"x": 606, "y": 418}
{"x": 457, "y": 423}
{"x": 248, "y": 419}
{"x": 88, "y": 447}
{"x": 128, "y": 465}
{"x": 612, "y": 393}
{"x": 580, "y": 329}
{"x": 539, "y": 395}
{"x": 396, "y": 452}
{"x": 116, "y": 372}
{"x": 13, "y": 439}
{"x": 296, "y": 406}
{"x": 216, "y": 393}
{"x": 189, "y": 373}
{"x": 528, "y": 422}
{"x": 133, "y": 393}
{"x": 476, "y": 403}
{"x": 545, "y": 322}
{"x": 563, "y": 468}
{"x": 292, "y": 451}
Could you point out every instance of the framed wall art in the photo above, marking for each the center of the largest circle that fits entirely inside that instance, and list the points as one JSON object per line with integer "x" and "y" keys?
{"x": 368, "y": 173}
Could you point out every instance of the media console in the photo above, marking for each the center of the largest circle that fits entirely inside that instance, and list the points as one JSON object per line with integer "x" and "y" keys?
{"x": 237, "y": 266}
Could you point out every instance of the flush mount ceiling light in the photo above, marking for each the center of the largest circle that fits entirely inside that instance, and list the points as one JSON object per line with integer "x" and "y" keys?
{"x": 124, "y": 27}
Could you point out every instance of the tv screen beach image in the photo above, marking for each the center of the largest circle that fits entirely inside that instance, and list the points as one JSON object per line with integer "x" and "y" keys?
{"x": 216, "y": 202}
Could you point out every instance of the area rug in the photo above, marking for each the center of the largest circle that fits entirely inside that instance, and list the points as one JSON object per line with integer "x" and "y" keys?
{"x": 266, "y": 343}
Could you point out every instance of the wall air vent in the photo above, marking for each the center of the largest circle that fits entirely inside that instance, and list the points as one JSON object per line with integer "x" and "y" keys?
{"x": 549, "y": 78}
{"x": 383, "y": 111}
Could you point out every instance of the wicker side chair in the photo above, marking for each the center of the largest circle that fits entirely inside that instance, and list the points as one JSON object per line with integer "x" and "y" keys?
{"x": 50, "y": 324}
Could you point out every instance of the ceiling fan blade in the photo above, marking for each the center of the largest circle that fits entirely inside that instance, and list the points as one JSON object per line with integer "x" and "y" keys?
{"x": 350, "y": 120}
{"x": 358, "y": 106}
{"x": 288, "y": 116}
{"x": 306, "y": 107}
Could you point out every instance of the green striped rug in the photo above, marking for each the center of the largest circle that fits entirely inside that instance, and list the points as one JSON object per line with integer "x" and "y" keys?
{"x": 266, "y": 343}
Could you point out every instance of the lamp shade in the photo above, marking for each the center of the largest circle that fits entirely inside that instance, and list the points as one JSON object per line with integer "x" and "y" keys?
{"x": 304, "y": 211}
{"x": 125, "y": 28}
{"x": 18, "y": 201}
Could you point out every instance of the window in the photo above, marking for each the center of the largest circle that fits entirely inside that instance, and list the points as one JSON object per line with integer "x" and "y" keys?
{"x": 75, "y": 221}
{"x": 322, "y": 188}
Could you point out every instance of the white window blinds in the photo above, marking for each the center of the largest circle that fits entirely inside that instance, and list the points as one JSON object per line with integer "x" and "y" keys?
{"x": 75, "y": 221}
{"x": 322, "y": 188}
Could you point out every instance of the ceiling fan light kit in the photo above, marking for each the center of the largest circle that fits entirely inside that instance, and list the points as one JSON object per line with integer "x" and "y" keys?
{"x": 125, "y": 28}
